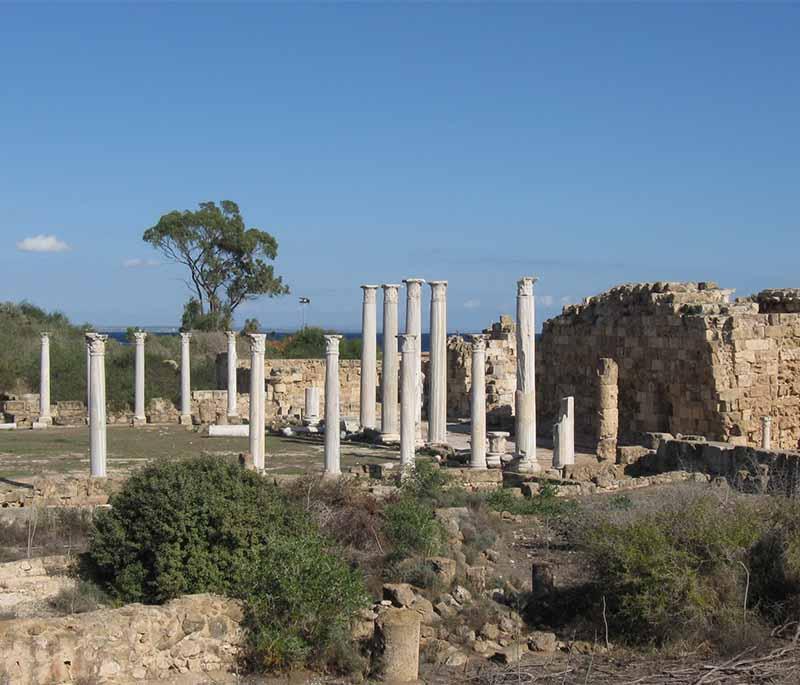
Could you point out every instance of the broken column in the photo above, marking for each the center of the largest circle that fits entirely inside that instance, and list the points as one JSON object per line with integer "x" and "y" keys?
{"x": 332, "y": 437}
{"x": 497, "y": 448}
{"x": 478, "y": 403}
{"x": 390, "y": 428}
{"x": 233, "y": 404}
{"x": 525, "y": 460}
{"x": 257, "y": 402}
{"x": 397, "y": 640}
{"x": 369, "y": 375}
{"x": 414, "y": 327}
{"x": 44, "y": 382}
{"x": 408, "y": 394}
{"x": 564, "y": 434}
{"x": 186, "y": 383}
{"x": 311, "y": 407}
{"x": 766, "y": 432}
{"x": 139, "y": 417}
{"x": 607, "y": 409}
{"x": 97, "y": 407}
{"x": 437, "y": 401}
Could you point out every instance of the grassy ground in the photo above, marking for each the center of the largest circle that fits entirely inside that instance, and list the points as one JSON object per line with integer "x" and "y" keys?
{"x": 65, "y": 451}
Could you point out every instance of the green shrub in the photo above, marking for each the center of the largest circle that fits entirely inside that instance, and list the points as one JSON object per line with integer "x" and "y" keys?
{"x": 205, "y": 525}
{"x": 411, "y": 528}
{"x": 84, "y": 596}
{"x": 544, "y": 503}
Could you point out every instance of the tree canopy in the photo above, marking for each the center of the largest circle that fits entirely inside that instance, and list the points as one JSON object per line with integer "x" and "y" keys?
{"x": 227, "y": 262}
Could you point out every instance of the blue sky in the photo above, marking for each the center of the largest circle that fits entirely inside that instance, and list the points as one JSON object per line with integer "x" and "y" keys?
{"x": 588, "y": 144}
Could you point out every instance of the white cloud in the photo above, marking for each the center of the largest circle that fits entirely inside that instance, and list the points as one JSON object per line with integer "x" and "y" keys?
{"x": 136, "y": 262}
{"x": 567, "y": 299}
{"x": 472, "y": 304}
{"x": 42, "y": 243}
{"x": 546, "y": 300}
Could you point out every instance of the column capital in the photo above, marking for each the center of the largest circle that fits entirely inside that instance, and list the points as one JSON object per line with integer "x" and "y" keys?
{"x": 139, "y": 337}
{"x": 258, "y": 342}
{"x": 438, "y": 290}
{"x": 369, "y": 293}
{"x": 413, "y": 281}
{"x": 45, "y": 336}
{"x": 479, "y": 342}
{"x": 96, "y": 344}
{"x": 332, "y": 344}
{"x": 525, "y": 285}
{"x": 408, "y": 342}
{"x": 186, "y": 336}
{"x": 766, "y": 419}
{"x": 414, "y": 287}
{"x": 231, "y": 336}
{"x": 390, "y": 291}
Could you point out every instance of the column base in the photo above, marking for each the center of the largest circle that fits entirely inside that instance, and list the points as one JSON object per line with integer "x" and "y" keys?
{"x": 45, "y": 421}
{"x": 494, "y": 461}
{"x": 39, "y": 425}
{"x": 389, "y": 438}
{"x": 139, "y": 421}
{"x": 524, "y": 464}
{"x": 185, "y": 420}
{"x": 331, "y": 475}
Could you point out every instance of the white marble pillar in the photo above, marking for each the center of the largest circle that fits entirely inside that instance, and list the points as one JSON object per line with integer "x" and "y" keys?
{"x": 369, "y": 342}
{"x": 564, "y": 434}
{"x": 437, "y": 400}
{"x": 311, "y": 409}
{"x": 408, "y": 399}
{"x": 88, "y": 378}
{"x": 233, "y": 404}
{"x": 257, "y": 408}
{"x": 390, "y": 426}
{"x": 97, "y": 409}
{"x": 414, "y": 327}
{"x": 478, "y": 403}
{"x": 186, "y": 382}
{"x": 497, "y": 449}
{"x": 332, "y": 419}
{"x": 139, "y": 417}
{"x": 45, "y": 419}
{"x": 766, "y": 432}
{"x": 525, "y": 396}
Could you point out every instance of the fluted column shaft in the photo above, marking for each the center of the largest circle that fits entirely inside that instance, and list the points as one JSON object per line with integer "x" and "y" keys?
{"x": 186, "y": 380}
{"x": 437, "y": 400}
{"x": 414, "y": 327}
{"x": 97, "y": 408}
{"x": 408, "y": 394}
{"x": 44, "y": 381}
{"x": 257, "y": 401}
{"x": 525, "y": 395}
{"x": 390, "y": 426}
{"x": 233, "y": 405}
{"x": 478, "y": 403}
{"x": 138, "y": 393}
{"x": 369, "y": 342}
{"x": 332, "y": 418}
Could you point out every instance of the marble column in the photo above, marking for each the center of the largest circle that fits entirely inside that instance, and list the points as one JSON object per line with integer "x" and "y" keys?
{"x": 233, "y": 396}
{"x": 97, "y": 408}
{"x": 311, "y": 409}
{"x": 139, "y": 417}
{"x": 186, "y": 382}
{"x": 44, "y": 382}
{"x": 414, "y": 327}
{"x": 437, "y": 400}
{"x": 369, "y": 342}
{"x": 88, "y": 378}
{"x": 332, "y": 419}
{"x": 257, "y": 408}
{"x": 497, "y": 449}
{"x": 408, "y": 397}
{"x": 390, "y": 426}
{"x": 525, "y": 459}
{"x": 564, "y": 434}
{"x": 478, "y": 403}
{"x": 607, "y": 409}
{"x": 766, "y": 432}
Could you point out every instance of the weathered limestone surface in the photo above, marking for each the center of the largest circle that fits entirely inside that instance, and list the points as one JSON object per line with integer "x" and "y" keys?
{"x": 397, "y": 637}
{"x": 607, "y": 409}
{"x": 193, "y": 634}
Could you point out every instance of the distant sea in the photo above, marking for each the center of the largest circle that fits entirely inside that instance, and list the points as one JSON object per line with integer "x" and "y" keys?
{"x": 119, "y": 333}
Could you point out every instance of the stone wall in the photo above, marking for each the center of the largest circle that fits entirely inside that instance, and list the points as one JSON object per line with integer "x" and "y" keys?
{"x": 24, "y": 410}
{"x": 60, "y": 492}
{"x": 192, "y": 634}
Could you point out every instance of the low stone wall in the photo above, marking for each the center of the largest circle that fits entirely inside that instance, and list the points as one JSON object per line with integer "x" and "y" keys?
{"x": 67, "y": 492}
{"x": 193, "y": 634}
{"x": 24, "y": 410}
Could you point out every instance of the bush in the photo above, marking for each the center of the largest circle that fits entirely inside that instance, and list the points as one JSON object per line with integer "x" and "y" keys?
{"x": 411, "y": 528}
{"x": 84, "y": 596}
{"x": 544, "y": 503}
{"x": 205, "y": 525}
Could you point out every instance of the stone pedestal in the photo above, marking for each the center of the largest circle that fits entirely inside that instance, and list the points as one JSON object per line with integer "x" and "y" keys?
{"x": 139, "y": 418}
{"x": 607, "y": 409}
{"x": 414, "y": 327}
{"x": 233, "y": 391}
{"x": 257, "y": 400}
{"x": 332, "y": 430}
{"x": 766, "y": 432}
{"x": 390, "y": 417}
{"x": 45, "y": 419}
{"x": 478, "y": 403}
{"x": 497, "y": 448}
{"x": 369, "y": 374}
{"x": 311, "y": 407}
{"x": 97, "y": 408}
{"x": 564, "y": 434}
{"x": 397, "y": 633}
{"x": 408, "y": 394}
{"x": 525, "y": 460}
{"x": 186, "y": 382}
{"x": 437, "y": 400}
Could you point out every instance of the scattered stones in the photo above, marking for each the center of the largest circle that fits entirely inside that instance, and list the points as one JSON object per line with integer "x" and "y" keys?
{"x": 399, "y": 594}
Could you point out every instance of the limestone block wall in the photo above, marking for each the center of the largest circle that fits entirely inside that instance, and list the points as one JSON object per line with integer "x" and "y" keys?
{"x": 24, "y": 410}
{"x": 192, "y": 634}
